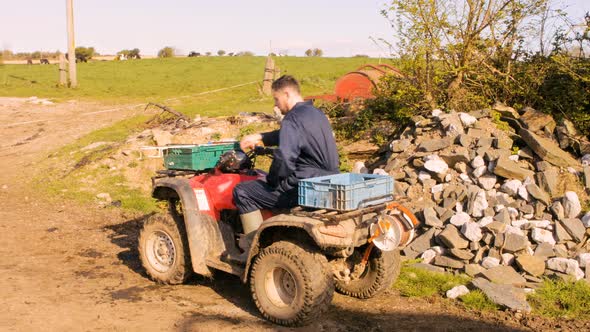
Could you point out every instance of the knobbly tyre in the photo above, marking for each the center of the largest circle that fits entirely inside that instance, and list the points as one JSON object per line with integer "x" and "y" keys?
{"x": 298, "y": 256}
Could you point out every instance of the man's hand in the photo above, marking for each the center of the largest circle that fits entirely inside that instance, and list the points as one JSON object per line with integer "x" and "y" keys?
{"x": 250, "y": 141}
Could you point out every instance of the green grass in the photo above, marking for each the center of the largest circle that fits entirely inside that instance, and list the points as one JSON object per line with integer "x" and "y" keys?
{"x": 178, "y": 83}
{"x": 477, "y": 300}
{"x": 181, "y": 79}
{"x": 557, "y": 298}
{"x": 414, "y": 282}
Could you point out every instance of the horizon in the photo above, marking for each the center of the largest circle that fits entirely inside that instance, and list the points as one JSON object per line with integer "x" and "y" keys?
{"x": 339, "y": 28}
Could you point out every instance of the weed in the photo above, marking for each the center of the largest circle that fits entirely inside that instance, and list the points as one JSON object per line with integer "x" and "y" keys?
{"x": 215, "y": 136}
{"x": 477, "y": 300}
{"x": 558, "y": 298}
{"x": 414, "y": 282}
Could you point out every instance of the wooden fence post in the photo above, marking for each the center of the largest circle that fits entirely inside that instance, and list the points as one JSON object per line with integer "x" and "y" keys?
{"x": 269, "y": 70}
{"x": 62, "y": 70}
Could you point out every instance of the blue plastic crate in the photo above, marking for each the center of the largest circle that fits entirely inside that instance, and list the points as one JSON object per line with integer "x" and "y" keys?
{"x": 346, "y": 191}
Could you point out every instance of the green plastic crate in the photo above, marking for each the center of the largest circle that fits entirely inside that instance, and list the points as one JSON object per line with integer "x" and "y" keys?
{"x": 197, "y": 157}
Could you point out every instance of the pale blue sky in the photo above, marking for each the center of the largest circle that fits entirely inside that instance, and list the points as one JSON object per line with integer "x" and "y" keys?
{"x": 339, "y": 27}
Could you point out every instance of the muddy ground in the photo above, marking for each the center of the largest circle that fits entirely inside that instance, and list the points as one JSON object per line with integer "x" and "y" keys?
{"x": 70, "y": 267}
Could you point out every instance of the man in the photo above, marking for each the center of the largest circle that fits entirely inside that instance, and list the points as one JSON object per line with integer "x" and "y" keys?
{"x": 306, "y": 149}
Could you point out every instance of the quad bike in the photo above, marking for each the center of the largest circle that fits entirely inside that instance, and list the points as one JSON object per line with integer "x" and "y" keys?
{"x": 297, "y": 256}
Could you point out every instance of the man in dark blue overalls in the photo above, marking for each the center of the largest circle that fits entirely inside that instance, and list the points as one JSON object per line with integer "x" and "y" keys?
{"x": 306, "y": 149}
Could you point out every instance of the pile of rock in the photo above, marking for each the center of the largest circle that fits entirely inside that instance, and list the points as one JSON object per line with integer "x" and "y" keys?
{"x": 499, "y": 199}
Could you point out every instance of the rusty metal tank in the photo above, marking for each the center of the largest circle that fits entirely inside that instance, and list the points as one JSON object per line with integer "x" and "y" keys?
{"x": 359, "y": 84}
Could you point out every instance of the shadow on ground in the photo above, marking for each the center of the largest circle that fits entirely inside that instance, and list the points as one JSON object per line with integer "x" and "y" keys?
{"x": 338, "y": 317}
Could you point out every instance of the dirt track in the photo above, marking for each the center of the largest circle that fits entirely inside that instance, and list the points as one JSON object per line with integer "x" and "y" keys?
{"x": 70, "y": 267}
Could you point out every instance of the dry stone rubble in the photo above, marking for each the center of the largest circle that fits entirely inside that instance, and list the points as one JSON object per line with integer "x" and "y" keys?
{"x": 500, "y": 201}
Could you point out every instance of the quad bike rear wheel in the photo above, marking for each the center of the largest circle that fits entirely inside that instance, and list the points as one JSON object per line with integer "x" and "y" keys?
{"x": 163, "y": 250}
{"x": 291, "y": 285}
{"x": 381, "y": 270}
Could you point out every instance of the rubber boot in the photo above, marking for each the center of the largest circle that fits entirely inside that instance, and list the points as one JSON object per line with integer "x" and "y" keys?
{"x": 251, "y": 221}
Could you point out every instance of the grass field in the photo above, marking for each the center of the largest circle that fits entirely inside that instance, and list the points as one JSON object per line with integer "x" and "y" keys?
{"x": 177, "y": 81}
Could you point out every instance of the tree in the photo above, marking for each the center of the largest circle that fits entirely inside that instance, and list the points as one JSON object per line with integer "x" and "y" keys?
{"x": 309, "y": 52}
{"x": 83, "y": 54}
{"x": 317, "y": 52}
{"x": 452, "y": 46}
{"x": 134, "y": 54}
{"x": 208, "y": 53}
{"x": 166, "y": 52}
{"x": 230, "y": 54}
{"x": 221, "y": 52}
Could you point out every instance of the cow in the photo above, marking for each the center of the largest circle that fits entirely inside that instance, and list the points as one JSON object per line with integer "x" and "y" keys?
{"x": 44, "y": 61}
{"x": 29, "y": 62}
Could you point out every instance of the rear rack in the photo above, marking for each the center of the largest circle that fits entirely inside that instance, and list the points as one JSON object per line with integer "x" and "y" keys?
{"x": 336, "y": 216}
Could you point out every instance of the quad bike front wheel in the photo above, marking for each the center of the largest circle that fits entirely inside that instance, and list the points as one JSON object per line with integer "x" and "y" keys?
{"x": 291, "y": 285}
{"x": 163, "y": 250}
{"x": 380, "y": 271}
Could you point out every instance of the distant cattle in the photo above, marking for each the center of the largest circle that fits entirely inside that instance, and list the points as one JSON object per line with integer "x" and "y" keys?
{"x": 193, "y": 54}
{"x": 29, "y": 62}
{"x": 44, "y": 61}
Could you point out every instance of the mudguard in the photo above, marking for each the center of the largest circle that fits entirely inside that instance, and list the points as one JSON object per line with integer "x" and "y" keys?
{"x": 310, "y": 226}
{"x": 204, "y": 237}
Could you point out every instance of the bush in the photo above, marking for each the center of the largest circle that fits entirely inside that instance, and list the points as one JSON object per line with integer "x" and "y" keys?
{"x": 83, "y": 54}
{"x": 166, "y": 52}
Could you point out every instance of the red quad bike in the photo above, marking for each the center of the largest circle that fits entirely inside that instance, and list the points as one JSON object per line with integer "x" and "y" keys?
{"x": 297, "y": 256}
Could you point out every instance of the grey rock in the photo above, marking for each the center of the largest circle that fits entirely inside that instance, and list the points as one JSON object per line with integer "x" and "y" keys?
{"x": 422, "y": 242}
{"x": 540, "y": 235}
{"x": 567, "y": 266}
{"x": 511, "y": 187}
{"x": 560, "y": 251}
{"x": 504, "y": 295}
{"x": 533, "y": 265}
{"x": 472, "y": 231}
{"x": 485, "y": 142}
{"x": 490, "y": 262}
{"x": 508, "y": 169}
{"x": 430, "y": 218}
{"x": 575, "y": 228}
{"x": 460, "y": 218}
{"x": 561, "y": 235}
{"x": 400, "y": 145}
{"x": 452, "y": 124}
{"x": 503, "y": 143}
{"x": 548, "y": 150}
{"x": 571, "y": 204}
{"x": 544, "y": 250}
{"x": 465, "y": 140}
{"x": 457, "y": 155}
{"x": 536, "y": 121}
{"x": 451, "y": 238}
{"x": 434, "y": 145}
{"x": 503, "y": 216}
{"x": 457, "y": 291}
{"x": 538, "y": 194}
{"x": 505, "y": 110}
{"x": 473, "y": 270}
{"x": 436, "y": 165}
{"x": 557, "y": 210}
{"x": 511, "y": 242}
{"x": 479, "y": 133}
{"x": 487, "y": 181}
{"x": 526, "y": 153}
{"x": 587, "y": 176}
{"x": 461, "y": 253}
{"x": 428, "y": 267}
{"x": 448, "y": 262}
{"x": 400, "y": 188}
{"x": 505, "y": 275}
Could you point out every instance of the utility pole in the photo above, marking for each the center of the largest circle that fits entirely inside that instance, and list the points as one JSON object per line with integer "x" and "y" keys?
{"x": 71, "y": 44}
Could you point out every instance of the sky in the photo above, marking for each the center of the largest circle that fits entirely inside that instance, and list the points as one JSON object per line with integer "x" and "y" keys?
{"x": 338, "y": 27}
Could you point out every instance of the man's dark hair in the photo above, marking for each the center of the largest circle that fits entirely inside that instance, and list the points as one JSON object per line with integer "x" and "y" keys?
{"x": 285, "y": 81}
